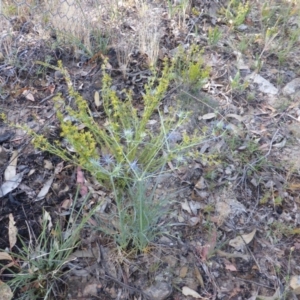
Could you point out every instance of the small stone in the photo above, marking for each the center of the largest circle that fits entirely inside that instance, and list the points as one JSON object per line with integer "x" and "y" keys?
{"x": 242, "y": 27}
{"x": 292, "y": 87}
{"x": 58, "y": 75}
{"x": 159, "y": 291}
{"x": 165, "y": 240}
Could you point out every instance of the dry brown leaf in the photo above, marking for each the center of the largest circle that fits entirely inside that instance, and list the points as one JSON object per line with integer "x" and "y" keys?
{"x": 32, "y": 171}
{"x": 194, "y": 206}
{"x": 97, "y": 99}
{"x": 12, "y": 231}
{"x": 183, "y": 271}
{"x": 11, "y": 184}
{"x": 47, "y": 218}
{"x": 199, "y": 277}
{"x": 208, "y": 116}
{"x": 45, "y": 189}
{"x": 48, "y": 164}
{"x": 194, "y": 221}
{"x": 201, "y": 184}
{"x": 239, "y": 242}
{"x": 186, "y": 291}
{"x": 207, "y": 249}
{"x": 59, "y": 168}
{"x": 51, "y": 88}
{"x": 199, "y": 195}
{"x": 66, "y": 204}
{"x": 81, "y": 181}
{"x": 185, "y": 206}
{"x": 281, "y": 144}
{"x": 28, "y": 95}
{"x": 10, "y": 171}
{"x": 5, "y": 256}
{"x": 230, "y": 267}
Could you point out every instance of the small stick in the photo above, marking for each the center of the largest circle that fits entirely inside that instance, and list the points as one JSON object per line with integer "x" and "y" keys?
{"x": 47, "y": 98}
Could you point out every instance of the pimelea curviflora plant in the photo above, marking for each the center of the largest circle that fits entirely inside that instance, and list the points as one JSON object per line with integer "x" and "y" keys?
{"x": 126, "y": 152}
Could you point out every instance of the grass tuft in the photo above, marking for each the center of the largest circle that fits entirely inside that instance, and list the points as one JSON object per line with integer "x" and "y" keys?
{"x": 40, "y": 264}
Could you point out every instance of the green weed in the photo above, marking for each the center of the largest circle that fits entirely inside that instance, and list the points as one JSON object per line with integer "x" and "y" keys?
{"x": 279, "y": 229}
{"x": 180, "y": 8}
{"x": 190, "y": 69}
{"x": 10, "y": 10}
{"x": 40, "y": 264}
{"x": 237, "y": 84}
{"x": 280, "y": 38}
{"x": 214, "y": 36}
{"x": 236, "y": 12}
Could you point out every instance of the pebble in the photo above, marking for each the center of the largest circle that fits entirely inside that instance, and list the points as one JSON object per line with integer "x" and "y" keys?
{"x": 159, "y": 291}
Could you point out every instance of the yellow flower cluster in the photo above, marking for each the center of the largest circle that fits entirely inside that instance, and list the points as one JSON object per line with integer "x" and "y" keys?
{"x": 83, "y": 142}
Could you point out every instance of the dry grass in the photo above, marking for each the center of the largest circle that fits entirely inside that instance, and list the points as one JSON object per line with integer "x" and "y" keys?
{"x": 82, "y": 25}
{"x": 74, "y": 21}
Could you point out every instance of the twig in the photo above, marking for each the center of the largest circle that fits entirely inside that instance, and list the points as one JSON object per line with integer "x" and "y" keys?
{"x": 47, "y": 98}
{"x": 254, "y": 282}
{"x": 292, "y": 117}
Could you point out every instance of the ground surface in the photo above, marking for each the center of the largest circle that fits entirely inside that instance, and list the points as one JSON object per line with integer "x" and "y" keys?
{"x": 233, "y": 210}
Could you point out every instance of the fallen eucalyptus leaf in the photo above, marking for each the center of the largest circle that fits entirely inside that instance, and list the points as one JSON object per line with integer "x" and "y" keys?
{"x": 97, "y": 99}
{"x": 11, "y": 184}
{"x": 199, "y": 277}
{"x": 208, "y": 116}
{"x": 281, "y": 144}
{"x": 12, "y": 231}
{"x": 48, "y": 164}
{"x": 47, "y": 218}
{"x": 5, "y": 256}
{"x": 28, "y": 95}
{"x": 230, "y": 267}
{"x": 45, "y": 189}
{"x": 185, "y": 206}
{"x": 239, "y": 242}
{"x": 10, "y": 171}
{"x": 186, "y": 291}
